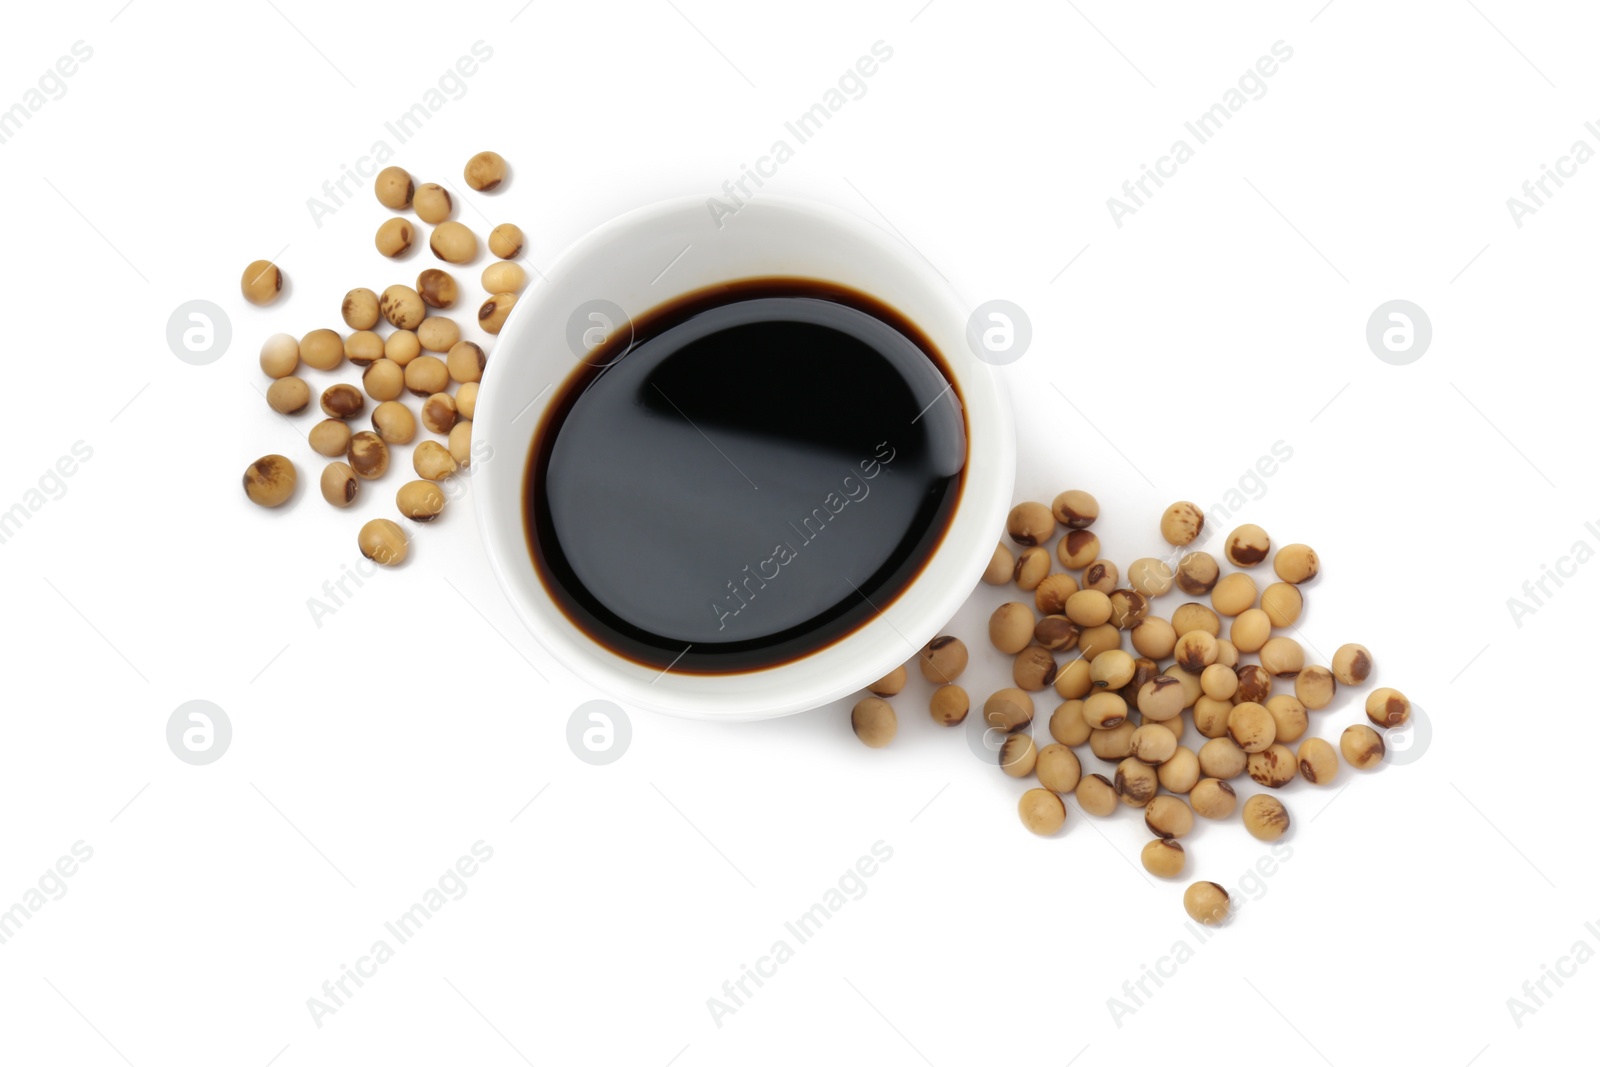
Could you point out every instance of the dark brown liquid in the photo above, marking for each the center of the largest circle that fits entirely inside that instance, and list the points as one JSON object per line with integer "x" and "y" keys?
{"x": 751, "y": 476}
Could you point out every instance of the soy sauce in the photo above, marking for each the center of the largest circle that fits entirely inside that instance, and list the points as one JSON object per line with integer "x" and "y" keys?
{"x": 747, "y": 475}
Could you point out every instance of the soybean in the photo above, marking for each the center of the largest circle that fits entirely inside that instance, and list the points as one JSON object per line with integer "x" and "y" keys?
{"x": 1315, "y": 687}
{"x": 1150, "y": 576}
{"x": 453, "y": 242}
{"x": 1219, "y": 682}
{"x": 1250, "y": 630}
{"x": 270, "y": 481}
{"x": 420, "y": 501}
{"x": 433, "y": 461}
{"x": 1211, "y": 716}
{"x": 466, "y": 398}
{"x": 1058, "y": 768}
{"x": 1100, "y": 575}
{"x": 1195, "y": 651}
{"x": 1255, "y": 684}
{"x": 363, "y": 348}
{"x": 1128, "y": 608}
{"x": 384, "y": 379}
{"x": 1207, "y": 902}
{"x": 330, "y": 437}
{"x": 288, "y": 396}
{"x": 1282, "y": 602}
{"x": 1093, "y": 640}
{"x": 1197, "y": 573}
{"x": 1265, "y": 817}
{"x": 394, "y": 422}
{"x": 1163, "y": 858}
{"x": 1161, "y": 699}
{"x": 1296, "y": 563}
{"x": 1056, "y": 632}
{"x": 280, "y": 355}
{"x": 493, "y": 312}
{"x": 1075, "y": 509}
{"x": 889, "y": 684}
{"x": 1111, "y": 669}
{"x": 438, "y": 334}
{"x": 1362, "y": 747}
{"x": 360, "y": 309}
{"x": 505, "y": 240}
{"x": 1096, "y": 795}
{"x": 1011, "y": 627}
{"x": 261, "y": 282}
{"x": 1352, "y": 664}
{"x": 1078, "y": 549}
{"x": 368, "y": 455}
{"x": 402, "y": 347}
{"x": 1088, "y": 607}
{"x": 342, "y": 401}
{"x": 1105, "y": 710}
{"x": 402, "y": 307}
{"x": 504, "y": 278}
{"x": 1001, "y": 566}
{"x": 1193, "y": 616}
{"x": 437, "y": 288}
{"x": 1181, "y": 773}
{"x": 1168, "y": 817}
{"x": 948, "y": 705}
{"x": 394, "y": 238}
{"x": 465, "y": 362}
{"x": 1018, "y": 754}
{"x": 1212, "y": 798}
{"x": 439, "y": 413}
{"x": 427, "y": 375}
{"x": 1234, "y": 594}
{"x": 1008, "y": 710}
{"x": 1033, "y": 566}
{"x": 1388, "y": 707}
{"x": 339, "y": 484}
{"x": 460, "y": 442}
{"x": 322, "y": 350}
{"x": 1050, "y": 596}
{"x": 1319, "y": 764}
{"x": 432, "y": 203}
{"x": 1252, "y": 727}
{"x": 1282, "y": 657}
{"x": 1153, "y": 743}
{"x": 1144, "y": 670}
{"x": 1067, "y": 724}
{"x": 1181, "y": 523}
{"x": 1288, "y": 717}
{"x": 394, "y": 188}
{"x": 1136, "y": 783}
{"x": 1154, "y": 637}
{"x": 1247, "y": 545}
{"x": 1274, "y": 766}
{"x": 873, "y": 720}
{"x": 1190, "y": 683}
{"x": 1114, "y": 744}
{"x": 383, "y": 542}
{"x": 1030, "y": 524}
{"x": 1034, "y": 668}
{"x": 1041, "y": 811}
{"x": 485, "y": 171}
{"x": 943, "y": 659}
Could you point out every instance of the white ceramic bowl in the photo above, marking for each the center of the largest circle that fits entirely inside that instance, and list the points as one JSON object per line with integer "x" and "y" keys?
{"x": 626, "y": 261}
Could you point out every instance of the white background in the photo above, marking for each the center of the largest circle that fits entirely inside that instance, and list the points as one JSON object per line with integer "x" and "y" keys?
{"x": 371, "y": 752}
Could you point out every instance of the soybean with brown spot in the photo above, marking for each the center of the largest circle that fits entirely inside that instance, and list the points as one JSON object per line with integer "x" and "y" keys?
{"x": 943, "y": 659}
